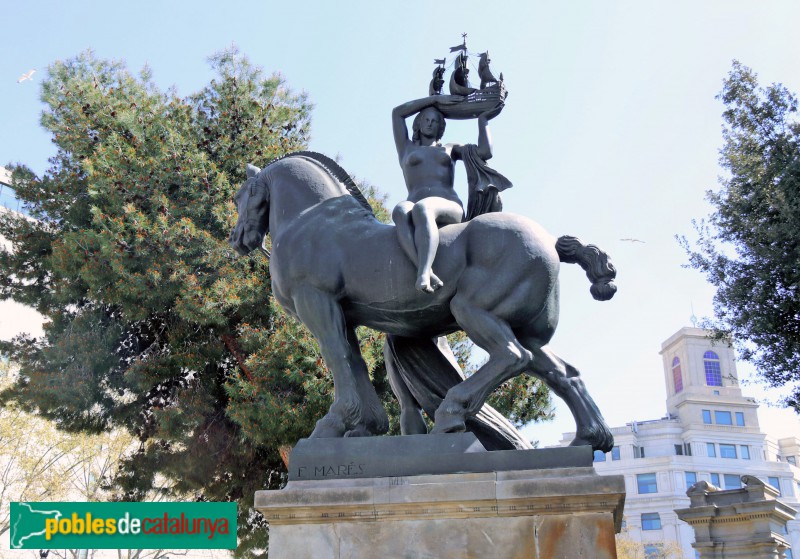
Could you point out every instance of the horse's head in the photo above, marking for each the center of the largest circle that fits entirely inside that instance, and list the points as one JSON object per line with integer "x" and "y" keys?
{"x": 252, "y": 201}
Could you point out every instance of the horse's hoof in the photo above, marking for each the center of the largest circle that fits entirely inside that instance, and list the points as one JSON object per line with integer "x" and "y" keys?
{"x": 328, "y": 428}
{"x": 376, "y": 422}
{"x": 455, "y": 427}
{"x": 359, "y": 431}
{"x": 448, "y": 423}
{"x": 599, "y": 438}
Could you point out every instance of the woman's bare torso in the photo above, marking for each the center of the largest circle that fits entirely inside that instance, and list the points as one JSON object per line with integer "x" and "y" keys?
{"x": 429, "y": 171}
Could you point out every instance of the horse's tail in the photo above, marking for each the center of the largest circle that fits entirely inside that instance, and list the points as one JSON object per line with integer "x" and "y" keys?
{"x": 599, "y": 269}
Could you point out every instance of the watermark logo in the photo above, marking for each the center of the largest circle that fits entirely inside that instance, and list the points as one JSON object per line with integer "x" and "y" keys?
{"x": 123, "y": 525}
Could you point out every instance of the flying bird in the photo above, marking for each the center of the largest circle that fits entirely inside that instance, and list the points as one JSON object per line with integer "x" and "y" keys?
{"x": 632, "y": 240}
{"x": 26, "y": 76}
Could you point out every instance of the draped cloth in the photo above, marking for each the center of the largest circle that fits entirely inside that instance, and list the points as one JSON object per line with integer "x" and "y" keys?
{"x": 484, "y": 184}
{"x": 425, "y": 369}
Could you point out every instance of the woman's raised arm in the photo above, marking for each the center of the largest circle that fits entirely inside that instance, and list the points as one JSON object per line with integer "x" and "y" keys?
{"x": 484, "y": 138}
{"x": 399, "y": 115}
{"x": 401, "y": 112}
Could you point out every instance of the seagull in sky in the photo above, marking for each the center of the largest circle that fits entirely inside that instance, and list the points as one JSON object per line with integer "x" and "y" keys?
{"x": 26, "y": 76}
{"x": 632, "y": 240}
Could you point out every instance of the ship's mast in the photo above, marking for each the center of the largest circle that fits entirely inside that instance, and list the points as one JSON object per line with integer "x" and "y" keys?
{"x": 463, "y": 55}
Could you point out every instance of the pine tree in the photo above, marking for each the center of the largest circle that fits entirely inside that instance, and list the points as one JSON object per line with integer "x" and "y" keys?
{"x": 748, "y": 248}
{"x": 151, "y": 315}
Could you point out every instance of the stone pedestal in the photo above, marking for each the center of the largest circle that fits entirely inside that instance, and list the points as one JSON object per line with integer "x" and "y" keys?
{"x": 745, "y": 523}
{"x": 551, "y": 513}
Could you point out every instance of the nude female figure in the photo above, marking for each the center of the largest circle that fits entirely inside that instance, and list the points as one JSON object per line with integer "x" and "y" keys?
{"x": 429, "y": 171}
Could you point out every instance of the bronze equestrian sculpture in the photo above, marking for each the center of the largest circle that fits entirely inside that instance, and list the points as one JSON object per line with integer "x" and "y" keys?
{"x": 334, "y": 267}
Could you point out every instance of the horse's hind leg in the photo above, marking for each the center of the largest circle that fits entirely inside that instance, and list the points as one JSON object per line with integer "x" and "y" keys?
{"x": 507, "y": 358}
{"x": 356, "y": 408}
{"x": 564, "y": 379}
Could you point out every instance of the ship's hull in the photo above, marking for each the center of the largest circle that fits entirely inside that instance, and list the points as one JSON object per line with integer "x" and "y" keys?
{"x": 477, "y": 102}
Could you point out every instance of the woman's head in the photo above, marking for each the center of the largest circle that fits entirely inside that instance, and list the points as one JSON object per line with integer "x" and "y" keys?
{"x": 429, "y": 121}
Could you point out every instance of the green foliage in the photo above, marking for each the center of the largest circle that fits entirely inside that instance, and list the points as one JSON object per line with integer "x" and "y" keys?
{"x": 154, "y": 324}
{"x": 749, "y": 247}
{"x": 523, "y": 399}
{"x": 148, "y": 306}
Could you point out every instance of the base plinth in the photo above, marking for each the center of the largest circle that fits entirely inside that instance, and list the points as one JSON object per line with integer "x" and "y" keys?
{"x": 533, "y": 514}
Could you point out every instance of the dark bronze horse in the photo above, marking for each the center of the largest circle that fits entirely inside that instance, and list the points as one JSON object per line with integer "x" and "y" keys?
{"x": 334, "y": 266}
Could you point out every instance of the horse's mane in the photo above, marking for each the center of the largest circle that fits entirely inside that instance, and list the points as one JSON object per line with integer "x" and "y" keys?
{"x": 334, "y": 170}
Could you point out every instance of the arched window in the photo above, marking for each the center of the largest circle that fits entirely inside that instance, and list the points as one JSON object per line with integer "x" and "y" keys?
{"x": 712, "y": 369}
{"x": 677, "y": 378}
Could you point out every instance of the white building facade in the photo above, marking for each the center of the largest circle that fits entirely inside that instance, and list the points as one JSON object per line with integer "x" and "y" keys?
{"x": 710, "y": 433}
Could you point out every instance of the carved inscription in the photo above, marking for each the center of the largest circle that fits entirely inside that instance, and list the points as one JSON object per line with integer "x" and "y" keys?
{"x": 331, "y": 470}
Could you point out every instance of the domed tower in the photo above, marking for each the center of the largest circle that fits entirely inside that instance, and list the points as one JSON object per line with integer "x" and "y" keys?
{"x": 702, "y": 383}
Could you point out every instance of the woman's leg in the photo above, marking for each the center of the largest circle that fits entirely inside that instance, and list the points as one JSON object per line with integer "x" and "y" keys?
{"x": 427, "y": 215}
{"x": 401, "y": 215}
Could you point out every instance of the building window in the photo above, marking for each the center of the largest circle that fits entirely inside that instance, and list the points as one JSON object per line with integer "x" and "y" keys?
{"x": 615, "y": 453}
{"x": 691, "y": 478}
{"x": 776, "y": 483}
{"x": 647, "y": 483}
{"x": 677, "y": 378}
{"x": 733, "y": 481}
{"x": 711, "y": 450}
{"x": 651, "y": 521}
{"x": 599, "y": 456}
{"x": 727, "y": 450}
{"x": 712, "y": 369}
{"x": 653, "y": 551}
{"x": 788, "y": 553}
{"x": 707, "y": 417}
{"x": 638, "y": 451}
{"x": 681, "y": 449}
{"x": 722, "y": 417}
{"x": 792, "y": 460}
{"x": 745, "y": 451}
{"x": 740, "y": 419}
{"x": 715, "y": 480}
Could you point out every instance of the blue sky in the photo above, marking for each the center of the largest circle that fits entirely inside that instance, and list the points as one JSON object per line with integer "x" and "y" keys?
{"x": 611, "y": 129}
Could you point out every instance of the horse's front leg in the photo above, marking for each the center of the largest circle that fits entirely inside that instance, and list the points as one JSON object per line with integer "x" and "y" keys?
{"x": 356, "y": 408}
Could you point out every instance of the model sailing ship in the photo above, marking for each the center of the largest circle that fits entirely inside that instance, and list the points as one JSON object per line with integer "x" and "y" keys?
{"x": 490, "y": 95}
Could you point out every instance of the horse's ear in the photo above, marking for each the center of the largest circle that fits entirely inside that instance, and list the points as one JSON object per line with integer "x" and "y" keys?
{"x": 252, "y": 171}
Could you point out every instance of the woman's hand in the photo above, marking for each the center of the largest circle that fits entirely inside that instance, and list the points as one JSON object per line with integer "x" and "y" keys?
{"x": 491, "y": 113}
